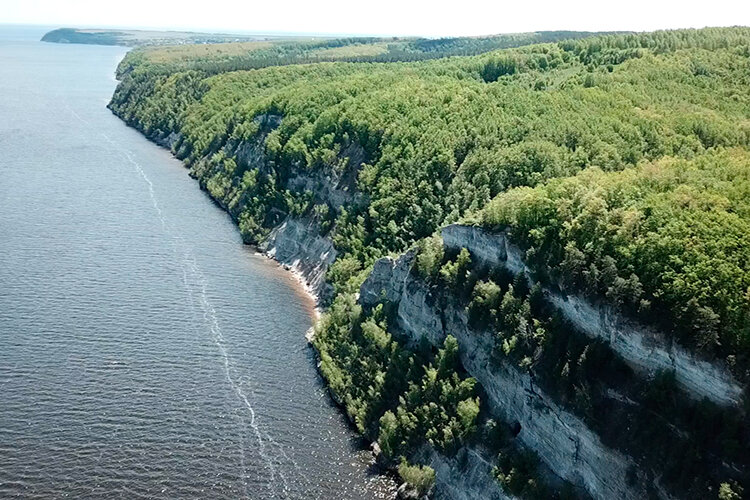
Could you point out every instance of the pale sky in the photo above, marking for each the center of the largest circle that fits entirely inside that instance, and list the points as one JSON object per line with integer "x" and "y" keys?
{"x": 381, "y": 17}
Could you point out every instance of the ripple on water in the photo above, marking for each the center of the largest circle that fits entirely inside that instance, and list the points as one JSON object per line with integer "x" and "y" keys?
{"x": 144, "y": 353}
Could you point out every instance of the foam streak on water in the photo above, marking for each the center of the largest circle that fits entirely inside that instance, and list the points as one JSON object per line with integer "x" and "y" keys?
{"x": 144, "y": 352}
{"x": 194, "y": 279}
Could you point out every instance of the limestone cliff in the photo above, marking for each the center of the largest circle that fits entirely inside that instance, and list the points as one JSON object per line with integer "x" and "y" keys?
{"x": 294, "y": 241}
{"x": 297, "y": 243}
{"x": 562, "y": 440}
{"x": 641, "y": 346}
{"x": 465, "y": 476}
{"x": 566, "y": 444}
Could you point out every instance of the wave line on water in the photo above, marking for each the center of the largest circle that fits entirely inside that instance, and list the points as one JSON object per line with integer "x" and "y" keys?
{"x": 209, "y": 315}
{"x": 141, "y": 172}
{"x": 192, "y": 270}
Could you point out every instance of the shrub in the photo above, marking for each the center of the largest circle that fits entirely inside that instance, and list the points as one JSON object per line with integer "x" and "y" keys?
{"x": 422, "y": 478}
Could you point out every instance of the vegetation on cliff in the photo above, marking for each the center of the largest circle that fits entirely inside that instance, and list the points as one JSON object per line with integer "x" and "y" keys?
{"x": 680, "y": 437}
{"x": 402, "y": 398}
{"x": 667, "y": 240}
{"x": 618, "y": 162}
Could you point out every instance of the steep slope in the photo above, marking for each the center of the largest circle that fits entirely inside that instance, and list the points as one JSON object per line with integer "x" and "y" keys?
{"x": 486, "y": 342}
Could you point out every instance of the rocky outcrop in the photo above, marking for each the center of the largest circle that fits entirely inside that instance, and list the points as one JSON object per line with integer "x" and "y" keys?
{"x": 465, "y": 476}
{"x": 335, "y": 186}
{"x": 169, "y": 140}
{"x": 294, "y": 242}
{"x": 297, "y": 244}
{"x": 251, "y": 154}
{"x": 561, "y": 439}
{"x": 642, "y": 347}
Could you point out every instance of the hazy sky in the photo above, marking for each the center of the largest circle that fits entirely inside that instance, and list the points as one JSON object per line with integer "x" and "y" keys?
{"x": 383, "y": 17}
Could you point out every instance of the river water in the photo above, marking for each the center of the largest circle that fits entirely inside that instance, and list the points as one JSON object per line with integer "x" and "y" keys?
{"x": 144, "y": 351}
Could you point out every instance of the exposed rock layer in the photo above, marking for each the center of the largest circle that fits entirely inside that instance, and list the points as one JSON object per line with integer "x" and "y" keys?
{"x": 562, "y": 440}
{"x": 645, "y": 349}
{"x": 466, "y": 476}
{"x": 297, "y": 243}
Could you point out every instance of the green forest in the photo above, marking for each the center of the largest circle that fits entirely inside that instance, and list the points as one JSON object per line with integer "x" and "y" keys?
{"x": 220, "y": 58}
{"x": 667, "y": 240}
{"x": 619, "y": 163}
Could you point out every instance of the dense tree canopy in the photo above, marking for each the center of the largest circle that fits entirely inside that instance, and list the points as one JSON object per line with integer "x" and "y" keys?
{"x": 439, "y": 140}
{"x": 619, "y": 163}
{"x": 220, "y": 58}
{"x": 667, "y": 236}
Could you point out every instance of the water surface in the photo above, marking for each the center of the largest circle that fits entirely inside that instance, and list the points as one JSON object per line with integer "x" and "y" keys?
{"x": 144, "y": 351}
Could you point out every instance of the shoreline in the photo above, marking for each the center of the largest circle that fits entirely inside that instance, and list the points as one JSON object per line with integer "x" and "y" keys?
{"x": 302, "y": 285}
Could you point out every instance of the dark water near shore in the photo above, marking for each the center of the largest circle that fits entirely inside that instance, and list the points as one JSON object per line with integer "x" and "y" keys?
{"x": 144, "y": 351}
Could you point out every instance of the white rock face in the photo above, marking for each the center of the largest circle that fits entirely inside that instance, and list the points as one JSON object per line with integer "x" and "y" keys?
{"x": 331, "y": 184}
{"x": 297, "y": 243}
{"x": 643, "y": 348}
{"x": 562, "y": 440}
{"x": 386, "y": 280}
{"x": 323, "y": 186}
{"x": 466, "y": 476}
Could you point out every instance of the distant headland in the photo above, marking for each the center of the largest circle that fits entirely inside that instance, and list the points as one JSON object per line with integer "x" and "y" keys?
{"x": 132, "y": 38}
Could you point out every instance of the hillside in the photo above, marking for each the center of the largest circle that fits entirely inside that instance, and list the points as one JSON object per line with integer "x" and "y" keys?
{"x": 133, "y": 38}
{"x": 214, "y": 58}
{"x": 570, "y": 312}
